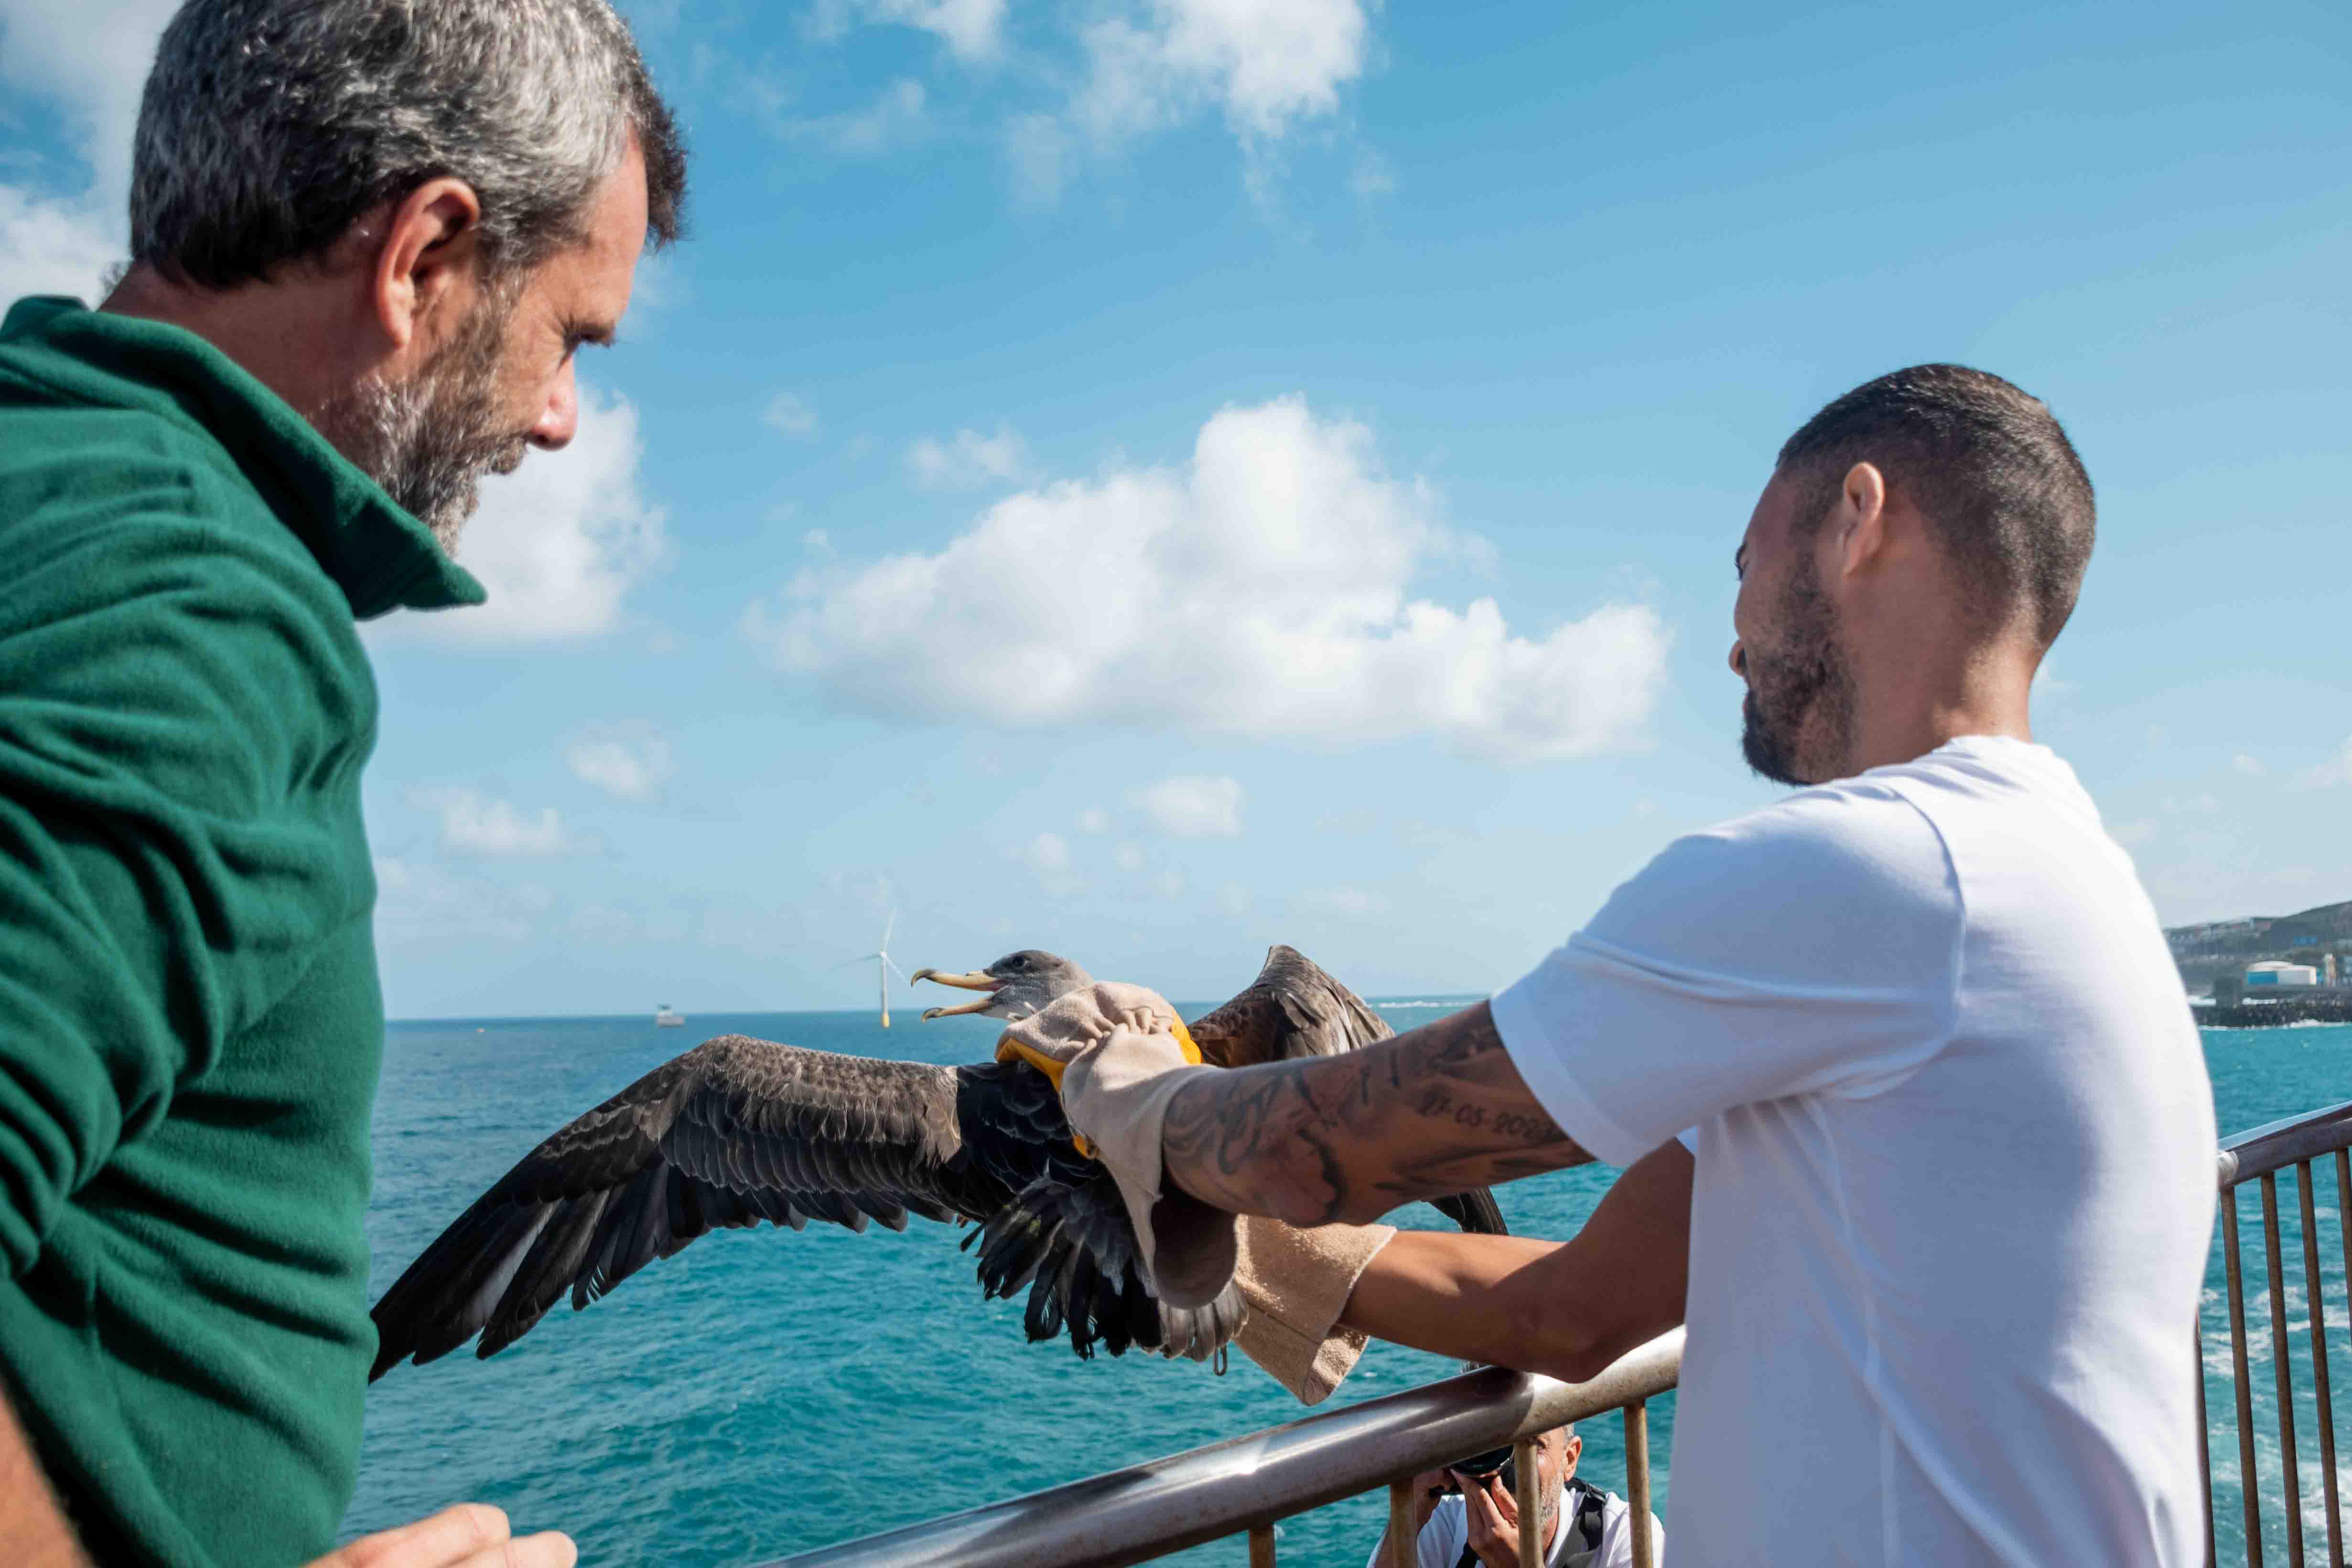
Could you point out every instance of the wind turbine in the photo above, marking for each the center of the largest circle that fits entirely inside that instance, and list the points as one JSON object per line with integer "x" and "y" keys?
{"x": 883, "y": 967}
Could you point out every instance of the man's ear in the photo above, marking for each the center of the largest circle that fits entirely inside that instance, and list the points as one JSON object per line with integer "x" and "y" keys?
{"x": 428, "y": 265}
{"x": 1860, "y": 517}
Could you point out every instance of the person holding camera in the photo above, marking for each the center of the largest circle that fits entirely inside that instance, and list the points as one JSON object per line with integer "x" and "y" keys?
{"x": 1468, "y": 1513}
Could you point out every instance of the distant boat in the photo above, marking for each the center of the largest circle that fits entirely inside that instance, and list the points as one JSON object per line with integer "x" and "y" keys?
{"x": 668, "y": 1017}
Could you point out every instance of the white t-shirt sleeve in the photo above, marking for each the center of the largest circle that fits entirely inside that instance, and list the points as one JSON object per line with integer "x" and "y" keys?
{"x": 1811, "y": 947}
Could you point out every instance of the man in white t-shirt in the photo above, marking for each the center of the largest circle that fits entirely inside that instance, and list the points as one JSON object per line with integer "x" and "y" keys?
{"x": 1952, "y": 1190}
{"x": 1461, "y": 1521}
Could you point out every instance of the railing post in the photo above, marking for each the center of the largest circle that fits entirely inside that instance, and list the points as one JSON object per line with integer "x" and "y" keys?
{"x": 1403, "y": 1551}
{"x": 2249, "y": 1487}
{"x": 1637, "y": 1483}
{"x": 2317, "y": 1304}
{"x": 2282, "y": 1370}
{"x": 1261, "y": 1539}
{"x": 2204, "y": 1445}
{"x": 1527, "y": 1496}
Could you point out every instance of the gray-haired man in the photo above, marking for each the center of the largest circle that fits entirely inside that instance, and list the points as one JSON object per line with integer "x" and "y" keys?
{"x": 367, "y": 239}
{"x": 1466, "y": 1518}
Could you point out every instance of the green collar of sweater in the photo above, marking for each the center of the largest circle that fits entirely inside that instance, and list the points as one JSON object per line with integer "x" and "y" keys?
{"x": 382, "y": 557}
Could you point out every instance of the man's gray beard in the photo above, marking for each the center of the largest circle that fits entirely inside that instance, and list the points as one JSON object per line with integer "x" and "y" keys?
{"x": 428, "y": 440}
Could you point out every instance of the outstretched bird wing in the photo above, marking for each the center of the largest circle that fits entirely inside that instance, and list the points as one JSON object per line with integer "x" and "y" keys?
{"x": 738, "y": 1130}
{"x": 734, "y": 1131}
{"x": 1294, "y": 1009}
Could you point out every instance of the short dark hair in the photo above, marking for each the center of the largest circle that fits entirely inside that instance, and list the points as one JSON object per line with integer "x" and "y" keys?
{"x": 1984, "y": 462}
{"x": 270, "y": 127}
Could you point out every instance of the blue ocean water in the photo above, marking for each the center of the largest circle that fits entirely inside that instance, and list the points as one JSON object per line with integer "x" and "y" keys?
{"x": 764, "y": 1391}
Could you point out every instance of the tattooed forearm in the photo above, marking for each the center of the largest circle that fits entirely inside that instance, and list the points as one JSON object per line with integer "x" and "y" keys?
{"x": 1433, "y": 1112}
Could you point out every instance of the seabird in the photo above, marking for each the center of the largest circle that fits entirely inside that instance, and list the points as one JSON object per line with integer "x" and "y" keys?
{"x": 738, "y": 1130}
{"x": 1292, "y": 1009}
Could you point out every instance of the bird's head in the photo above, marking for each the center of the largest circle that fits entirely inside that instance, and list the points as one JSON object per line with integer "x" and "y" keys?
{"x": 1016, "y": 985}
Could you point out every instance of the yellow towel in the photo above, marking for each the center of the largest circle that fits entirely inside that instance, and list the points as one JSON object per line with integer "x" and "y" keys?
{"x": 1296, "y": 1283}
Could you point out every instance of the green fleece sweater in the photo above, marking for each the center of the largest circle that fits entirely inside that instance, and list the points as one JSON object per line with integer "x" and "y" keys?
{"x": 190, "y": 1023}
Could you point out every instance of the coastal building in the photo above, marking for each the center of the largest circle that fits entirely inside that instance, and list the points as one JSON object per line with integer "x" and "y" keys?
{"x": 2282, "y": 974}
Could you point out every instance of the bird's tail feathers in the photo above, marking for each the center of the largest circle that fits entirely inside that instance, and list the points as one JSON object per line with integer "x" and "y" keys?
{"x": 1073, "y": 1249}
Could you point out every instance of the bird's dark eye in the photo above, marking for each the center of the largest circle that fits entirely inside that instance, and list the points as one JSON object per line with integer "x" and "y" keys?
{"x": 1016, "y": 962}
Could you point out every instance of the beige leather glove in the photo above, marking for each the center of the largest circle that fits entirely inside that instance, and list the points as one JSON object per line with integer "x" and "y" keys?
{"x": 1119, "y": 1055}
{"x": 1296, "y": 1283}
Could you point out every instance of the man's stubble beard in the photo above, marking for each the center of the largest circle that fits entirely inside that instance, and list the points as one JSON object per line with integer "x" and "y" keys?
{"x": 1803, "y": 683}
{"x": 430, "y": 439}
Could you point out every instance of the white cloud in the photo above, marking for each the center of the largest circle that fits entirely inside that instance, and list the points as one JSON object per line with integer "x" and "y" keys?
{"x": 90, "y": 59}
{"x": 969, "y": 459}
{"x": 2336, "y": 770}
{"x": 897, "y": 116}
{"x": 2129, "y": 834}
{"x": 1346, "y": 903}
{"x": 972, "y": 29}
{"x": 53, "y": 247}
{"x": 1373, "y": 177}
{"x": 1041, "y": 150}
{"x": 1260, "y": 591}
{"x": 1094, "y": 819}
{"x": 475, "y": 824}
{"x": 1194, "y": 806}
{"x": 1150, "y": 64}
{"x": 1047, "y": 855}
{"x": 625, "y": 772}
{"x": 2191, "y": 806}
{"x": 1233, "y": 899}
{"x": 1047, "y": 852}
{"x": 418, "y": 901}
{"x": 560, "y": 541}
{"x": 2250, "y": 766}
{"x": 1266, "y": 63}
{"x": 1129, "y": 857}
{"x": 790, "y": 413}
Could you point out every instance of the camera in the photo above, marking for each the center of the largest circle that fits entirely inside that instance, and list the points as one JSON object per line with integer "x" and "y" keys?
{"x": 1493, "y": 1462}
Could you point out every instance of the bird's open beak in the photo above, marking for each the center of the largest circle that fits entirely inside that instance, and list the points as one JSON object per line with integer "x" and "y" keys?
{"x": 977, "y": 979}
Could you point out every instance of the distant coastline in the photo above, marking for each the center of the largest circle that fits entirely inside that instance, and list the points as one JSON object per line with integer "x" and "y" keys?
{"x": 2332, "y": 1006}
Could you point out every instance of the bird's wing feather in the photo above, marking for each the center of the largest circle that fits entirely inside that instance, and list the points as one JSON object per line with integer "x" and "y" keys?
{"x": 735, "y": 1131}
{"x": 1293, "y": 1009}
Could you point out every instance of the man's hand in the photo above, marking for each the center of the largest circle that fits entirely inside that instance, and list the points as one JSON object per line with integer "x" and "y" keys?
{"x": 1116, "y": 1080}
{"x": 470, "y": 1535}
{"x": 1429, "y": 1490}
{"x": 1494, "y": 1515}
{"x": 1077, "y": 1020}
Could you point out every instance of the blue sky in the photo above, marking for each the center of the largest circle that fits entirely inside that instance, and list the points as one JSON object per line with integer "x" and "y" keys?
{"x": 1153, "y": 478}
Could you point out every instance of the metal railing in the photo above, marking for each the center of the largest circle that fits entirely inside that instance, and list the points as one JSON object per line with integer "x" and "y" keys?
{"x": 1248, "y": 1484}
{"x": 2320, "y": 1138}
